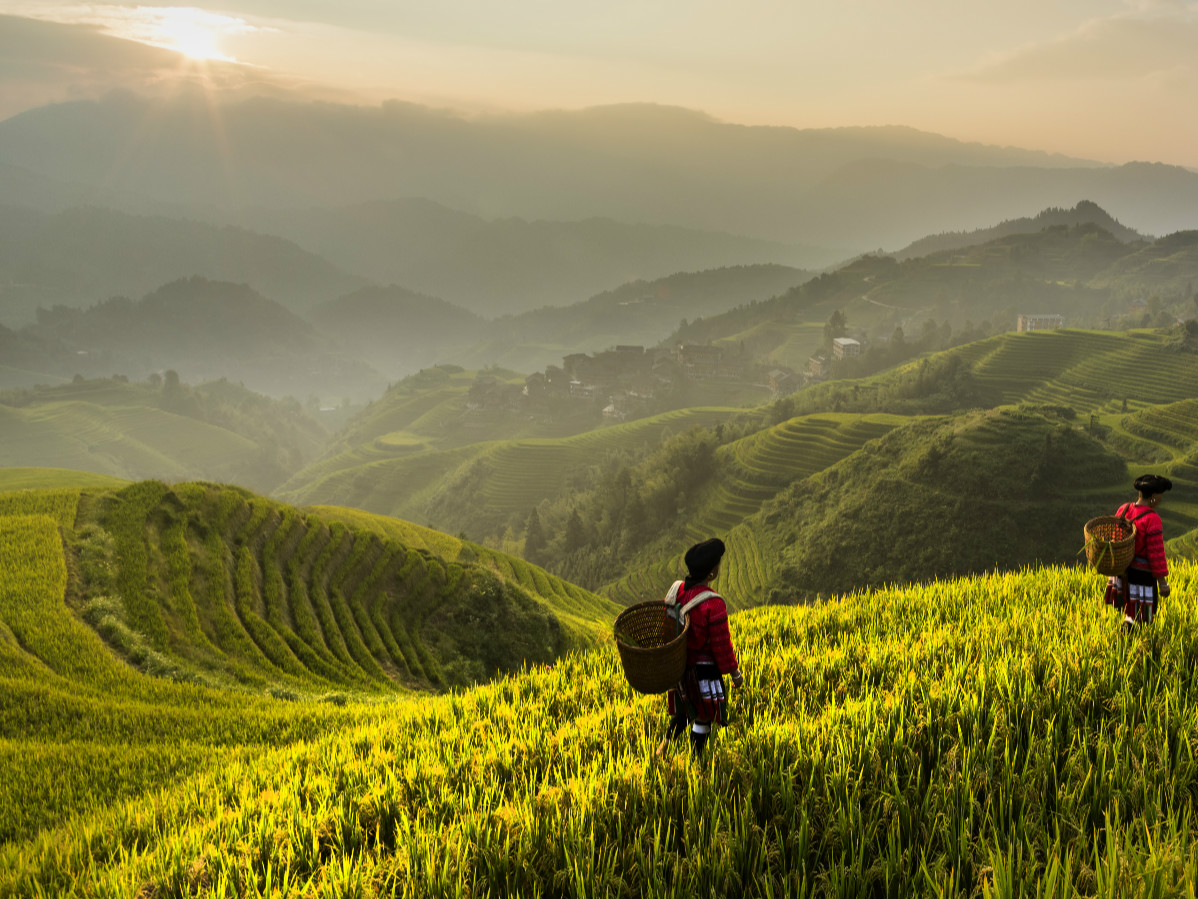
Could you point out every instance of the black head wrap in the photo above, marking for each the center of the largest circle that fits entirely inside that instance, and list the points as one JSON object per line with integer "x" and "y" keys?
{"x": 702, "y": 559}
{"x": 1148, "y": 484}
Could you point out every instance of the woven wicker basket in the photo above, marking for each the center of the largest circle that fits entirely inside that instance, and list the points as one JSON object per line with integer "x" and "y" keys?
{"x": 653, "y": 659}
{"x": 1110, "y": 544}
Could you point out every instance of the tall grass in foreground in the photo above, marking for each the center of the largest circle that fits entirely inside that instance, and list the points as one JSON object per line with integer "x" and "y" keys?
{"x": 993, "y": 736}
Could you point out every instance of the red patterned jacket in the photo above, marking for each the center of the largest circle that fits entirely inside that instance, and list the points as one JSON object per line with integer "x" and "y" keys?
{"x": 708, "y": 639}
{"x": 1150, "y": 539}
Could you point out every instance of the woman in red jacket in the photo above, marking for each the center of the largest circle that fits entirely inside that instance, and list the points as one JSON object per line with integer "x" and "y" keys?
{"x": 700, "y": 698}
{"x": 1137, "y": 591}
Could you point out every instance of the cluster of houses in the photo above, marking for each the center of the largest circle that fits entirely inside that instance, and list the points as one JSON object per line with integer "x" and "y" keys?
{"x": 627, "y": 378}
{"x": 624, "y": 379}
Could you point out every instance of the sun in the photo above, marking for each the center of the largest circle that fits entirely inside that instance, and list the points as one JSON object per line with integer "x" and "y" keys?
{"x": 190, "y": 32}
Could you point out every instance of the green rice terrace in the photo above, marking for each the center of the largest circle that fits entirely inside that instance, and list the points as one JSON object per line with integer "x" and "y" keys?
{"x": 988, "y": 736}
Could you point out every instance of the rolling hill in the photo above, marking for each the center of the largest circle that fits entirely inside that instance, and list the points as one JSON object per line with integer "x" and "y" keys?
{"x": 204, "y": 330}
{"x": 164, "y": 429}
{"x": 638, "y": 312}
{"x": 149, "y": 632}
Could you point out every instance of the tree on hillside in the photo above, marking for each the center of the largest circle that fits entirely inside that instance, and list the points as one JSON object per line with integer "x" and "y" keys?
{"x": 836, "y": 326}
{"x": 534, "y": 539}
{"x": 576, "y": 535}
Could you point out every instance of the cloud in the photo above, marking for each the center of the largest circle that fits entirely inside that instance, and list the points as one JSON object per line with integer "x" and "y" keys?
{"x": 48, "y": 62}
{"x": 1159, "y": 37}
{"x": 179, "y": 28}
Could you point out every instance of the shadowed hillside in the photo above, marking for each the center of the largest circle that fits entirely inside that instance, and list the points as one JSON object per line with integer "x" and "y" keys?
{"x": 204, "y": 330}
{"x": 997, "y": 490}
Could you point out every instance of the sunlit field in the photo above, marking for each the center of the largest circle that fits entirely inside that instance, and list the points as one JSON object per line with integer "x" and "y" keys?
{"x": 991, "y": 736}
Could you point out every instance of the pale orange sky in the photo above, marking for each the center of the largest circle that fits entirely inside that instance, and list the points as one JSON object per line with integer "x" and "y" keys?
{"x": 1102, "y": 79}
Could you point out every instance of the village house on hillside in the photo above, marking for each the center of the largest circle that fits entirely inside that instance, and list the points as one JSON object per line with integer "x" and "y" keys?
{"x": 845, "y": 348}
{"x": 783, "y": 381}
{"x": 1046, "y": 322}
{"x": 818, "y": 369}
{"x": 700, "y": 361}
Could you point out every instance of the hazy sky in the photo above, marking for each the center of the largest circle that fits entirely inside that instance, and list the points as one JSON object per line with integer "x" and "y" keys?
{"x": 1103, "y": 79}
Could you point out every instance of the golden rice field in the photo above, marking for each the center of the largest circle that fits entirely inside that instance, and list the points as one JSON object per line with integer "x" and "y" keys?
{"x": 993, "y": 736}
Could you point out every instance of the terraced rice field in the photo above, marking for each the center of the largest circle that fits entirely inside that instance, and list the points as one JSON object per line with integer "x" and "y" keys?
{"x": 229, "y": 584}
{"x": 1088, "y": 370}
{"x": 524, "y": 472}
{"x": 757, "y": 467}
{"x": 1169, "y": 436}
{"x": 753, "y": 470}
{"x": 60, "y": 505}
{"x": 801, "y": 342}
{"x": 27, "y": 478}
{"x": 583, "y": 608}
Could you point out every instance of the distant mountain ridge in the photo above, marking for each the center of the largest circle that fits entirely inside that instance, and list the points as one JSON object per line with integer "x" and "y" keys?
{"x": 1085, "y": 212}
{"x": 847, "y": 190}
{"x": 504, "y": 265}
{"x": 82, "y": 255}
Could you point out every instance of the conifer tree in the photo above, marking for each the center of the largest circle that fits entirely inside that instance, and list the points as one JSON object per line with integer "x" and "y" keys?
{"x": 534, "y": 539}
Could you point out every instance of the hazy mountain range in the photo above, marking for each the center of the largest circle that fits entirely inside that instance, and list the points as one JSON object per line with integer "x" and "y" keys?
{"x": 355, "y": 342}
{"x": 845, "y": 190}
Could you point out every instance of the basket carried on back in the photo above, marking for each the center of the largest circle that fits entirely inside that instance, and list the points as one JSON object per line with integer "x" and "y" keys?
{"x": 1110, "y": 544}
{"x": 652, "y": 657}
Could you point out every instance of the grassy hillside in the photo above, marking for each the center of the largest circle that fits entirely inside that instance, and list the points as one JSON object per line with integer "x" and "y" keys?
{"x": 48, "y": 478}
{"x": 158, "y": 429}
{"x": 678, "y": 502}
{"x": 79, "y": 728}
{"x": 992, "y": 736}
